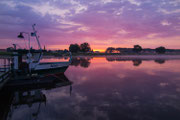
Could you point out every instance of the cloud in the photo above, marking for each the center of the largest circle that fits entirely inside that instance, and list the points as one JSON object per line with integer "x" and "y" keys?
{"x": 46, "y": 8}
{"x": 85, "y": 29}
{"x": 102, "y": 22}
{"x": 174, "y": 2}
{"x": 10, "y": 19}
{"x": 152, "y": 35}
{"x": 165, "y": 23}
{"x": 135, "y": 2}
{"x": 76, "y": 6}
{"x": 106, "y": 1}
{"x": 123, "y": 32}
{"x": 101, "y": 11}
{"x": 11, "y": 4}
{"x": 119, "y": 11}
{"x": 164, "y": 11}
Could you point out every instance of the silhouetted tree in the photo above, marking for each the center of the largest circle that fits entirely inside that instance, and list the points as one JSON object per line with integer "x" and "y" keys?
{"x": 110, "y": 50}
{"x": 85, "y": 47}
{"x": 137, "y": 48}
{"x": 9, "y": 49}
{"x": 74, "y": 48}
{"x": 160, "y": 50}
{"x": 65, "y": 51}
{"x": 118, "y": 49}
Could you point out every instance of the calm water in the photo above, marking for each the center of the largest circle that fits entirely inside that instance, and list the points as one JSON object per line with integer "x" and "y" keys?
{"x": 106, "y": 89}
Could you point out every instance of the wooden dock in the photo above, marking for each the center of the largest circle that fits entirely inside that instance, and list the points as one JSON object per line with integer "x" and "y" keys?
{"x": 4, "y": 77}
{"x": 5, "y": 71}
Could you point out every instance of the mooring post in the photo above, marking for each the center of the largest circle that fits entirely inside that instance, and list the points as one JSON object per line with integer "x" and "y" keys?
{"x": 15, "y": 61}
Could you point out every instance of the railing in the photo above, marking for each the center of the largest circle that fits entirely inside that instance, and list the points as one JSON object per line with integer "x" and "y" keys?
{"x": 5, "y": 68}
{"x": 5, "y": 64}
{"x": 4, "y": 76}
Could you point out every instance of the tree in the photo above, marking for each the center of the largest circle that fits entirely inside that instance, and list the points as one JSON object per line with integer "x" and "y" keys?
{"x": 160, "y": 50}
{"x": 85, "y": 47}
{"x": 110, "y": 50}
{"x": 9, "y": 49}
{"x": 65, "y": 51}
{"x": 74, "y": 48}
{"x": 137, "y": 48}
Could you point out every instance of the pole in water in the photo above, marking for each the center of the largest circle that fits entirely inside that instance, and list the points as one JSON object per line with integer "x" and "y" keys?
{"x": 70, "y": 90}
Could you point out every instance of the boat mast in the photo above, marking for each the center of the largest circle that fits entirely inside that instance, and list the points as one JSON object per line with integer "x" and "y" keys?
{"x": 33, "y": 26}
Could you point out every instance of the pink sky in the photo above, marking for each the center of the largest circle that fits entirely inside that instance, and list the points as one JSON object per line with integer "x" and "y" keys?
{"x": 102, "y": 23}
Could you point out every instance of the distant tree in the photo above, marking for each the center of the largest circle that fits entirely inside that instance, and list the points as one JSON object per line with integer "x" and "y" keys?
{"x": 9, "y": 49}
{"x": 85, "y": 47}
{"x": 49, "y": 51}
{"x": 74, "y": 48}
{"x": 124, "y": 50}
{"x": 119, "y": 49}
{"x": 65, "y": 51}
{"x": 160, "y": 50}
{"x": 137, "y": 48}
{"x": 110, "y": 50}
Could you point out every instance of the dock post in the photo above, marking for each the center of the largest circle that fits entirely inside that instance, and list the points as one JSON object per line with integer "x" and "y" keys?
{"x": 15, "y": 60}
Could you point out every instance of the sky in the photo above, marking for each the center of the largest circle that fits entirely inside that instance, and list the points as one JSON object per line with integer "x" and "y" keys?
{"x": 101, "y": 23}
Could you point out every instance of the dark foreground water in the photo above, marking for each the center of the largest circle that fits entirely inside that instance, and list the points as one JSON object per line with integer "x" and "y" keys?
{"x": 103, "y": 89}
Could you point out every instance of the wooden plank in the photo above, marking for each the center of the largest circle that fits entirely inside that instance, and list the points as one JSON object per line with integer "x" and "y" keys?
{"x": 4, "y": 75}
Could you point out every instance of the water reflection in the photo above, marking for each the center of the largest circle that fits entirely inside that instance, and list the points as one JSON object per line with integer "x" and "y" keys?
{"x": 28, "y": 93}
{"x": 136, "y": 62}
{"x": 86, "y": 61}
{"x": 117, "y": 90}
{"x": 102, "y": 91}
{"x": 159, "y": 61}
{"x": 81, "y": 61}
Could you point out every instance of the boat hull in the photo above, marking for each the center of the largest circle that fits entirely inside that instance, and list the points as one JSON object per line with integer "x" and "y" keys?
{"x": 51, "y": 70}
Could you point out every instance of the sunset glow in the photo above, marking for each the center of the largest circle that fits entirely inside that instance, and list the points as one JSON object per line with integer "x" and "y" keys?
{"x": 102, "y": 23}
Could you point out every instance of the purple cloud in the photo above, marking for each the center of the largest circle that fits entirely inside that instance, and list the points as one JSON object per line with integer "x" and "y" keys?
{"x": 101, "y": 23}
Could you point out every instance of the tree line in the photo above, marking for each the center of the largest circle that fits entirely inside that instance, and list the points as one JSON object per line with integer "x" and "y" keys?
{"x": 135, "y": 49}
{"x": 84, "y": 47}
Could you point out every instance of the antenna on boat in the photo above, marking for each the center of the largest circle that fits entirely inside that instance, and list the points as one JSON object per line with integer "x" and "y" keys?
{"x": 34, "y": 34}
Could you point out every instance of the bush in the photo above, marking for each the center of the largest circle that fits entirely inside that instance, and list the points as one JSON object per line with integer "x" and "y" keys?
{"x": 160, "y": 50}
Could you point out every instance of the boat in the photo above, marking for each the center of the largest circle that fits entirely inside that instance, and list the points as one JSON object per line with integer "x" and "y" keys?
{"x": 32, "y": 63}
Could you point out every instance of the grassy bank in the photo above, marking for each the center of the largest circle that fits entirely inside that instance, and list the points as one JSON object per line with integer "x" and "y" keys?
{"x": 103, "y": 54}
{"x": 94, "y": 54}
{"x": 5, "y": 53}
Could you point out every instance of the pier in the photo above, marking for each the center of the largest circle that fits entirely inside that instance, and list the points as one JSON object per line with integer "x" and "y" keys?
{"x": 5, "y": 70}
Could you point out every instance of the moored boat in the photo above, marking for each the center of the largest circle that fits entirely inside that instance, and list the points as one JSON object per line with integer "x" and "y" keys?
{"x": 33, "y": 63}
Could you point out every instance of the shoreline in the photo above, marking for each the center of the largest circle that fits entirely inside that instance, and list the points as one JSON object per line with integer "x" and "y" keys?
{"x": 124, "y": 57}
{"x": 141, "y": 56}
{"x": 136, "y": 57}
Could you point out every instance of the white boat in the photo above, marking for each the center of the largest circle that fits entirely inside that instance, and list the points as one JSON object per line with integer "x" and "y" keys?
{"x": 33, "y": 64}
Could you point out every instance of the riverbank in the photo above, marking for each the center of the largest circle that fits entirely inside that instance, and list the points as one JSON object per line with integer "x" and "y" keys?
{"x": 121, "y": 54}
{"x": 102, "y": 54}
{"x": 5, "y": 53}
{"x": 144, "y": 57}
